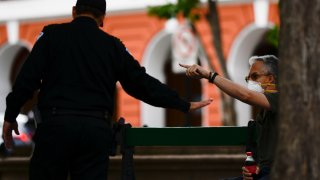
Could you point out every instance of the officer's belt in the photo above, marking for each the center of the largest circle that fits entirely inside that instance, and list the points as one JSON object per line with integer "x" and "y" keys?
{"x": 71, "y": 112}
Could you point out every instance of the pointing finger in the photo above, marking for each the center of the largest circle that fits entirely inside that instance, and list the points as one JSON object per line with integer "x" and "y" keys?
{"x": 184, "y": 65}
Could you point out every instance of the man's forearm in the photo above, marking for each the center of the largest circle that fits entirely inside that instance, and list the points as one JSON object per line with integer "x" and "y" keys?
{"x": 232, "y": 89}
{"x": 242, "y": 93}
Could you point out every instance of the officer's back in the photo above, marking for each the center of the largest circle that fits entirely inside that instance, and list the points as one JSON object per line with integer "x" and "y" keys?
{"x": 81, "y": 66}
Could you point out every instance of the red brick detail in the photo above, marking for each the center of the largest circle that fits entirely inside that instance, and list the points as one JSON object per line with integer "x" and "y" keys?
{"x": 233, "y": 19}
{"x": 215, "y": 113}
{"x": 274, "y": 14}
{"x": 3, "y": 35}
{"x": 128, "y": 108}
{"x": 134, "y": 30}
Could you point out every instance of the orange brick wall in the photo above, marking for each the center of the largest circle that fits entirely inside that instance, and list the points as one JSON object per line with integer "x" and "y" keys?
{"x": 136, "y": 31}
{"x": 3, "y": 34}
{"x": 274, "y": 14}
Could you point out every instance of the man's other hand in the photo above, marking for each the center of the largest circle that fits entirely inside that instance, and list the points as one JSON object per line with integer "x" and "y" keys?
{"x": 7, "y": 129}
{"x": 197, "y": 105}
{"x": 247, "y": 175}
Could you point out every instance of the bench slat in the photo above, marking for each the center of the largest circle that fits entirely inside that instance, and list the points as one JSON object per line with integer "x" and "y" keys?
{"x": 187, "y": 136}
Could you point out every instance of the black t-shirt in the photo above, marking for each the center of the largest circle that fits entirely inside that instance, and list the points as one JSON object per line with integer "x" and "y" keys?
{"x": 76, "y": 66}
{"x": 267, "y": 132}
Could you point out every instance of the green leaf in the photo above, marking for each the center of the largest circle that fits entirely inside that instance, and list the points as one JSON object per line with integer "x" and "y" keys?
{"x": 164, "y": 12}
{"x": 186, "y": 6}
{"x": 273, "y": 36}
{"x": 171, "y": 10}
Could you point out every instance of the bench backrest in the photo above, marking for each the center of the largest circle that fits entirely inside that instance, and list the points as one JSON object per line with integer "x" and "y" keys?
{"x": 187, "y": 136}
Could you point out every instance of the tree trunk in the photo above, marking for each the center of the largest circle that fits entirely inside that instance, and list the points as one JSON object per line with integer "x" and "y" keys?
{"x": 229, "y": 117}
{"x": 213, "y": 19}
{"x": 297, "y": 154}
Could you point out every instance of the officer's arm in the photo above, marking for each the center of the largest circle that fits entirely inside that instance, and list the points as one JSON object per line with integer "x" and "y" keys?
{"x": 28, "y": 79}
{"x": 140, "y": 85}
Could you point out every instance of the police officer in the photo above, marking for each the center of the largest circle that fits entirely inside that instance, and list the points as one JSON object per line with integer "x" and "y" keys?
{"x": 76, "y": 66}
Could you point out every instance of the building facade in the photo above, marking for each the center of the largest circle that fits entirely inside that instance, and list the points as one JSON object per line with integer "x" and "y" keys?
{"x": 148, "y": 41}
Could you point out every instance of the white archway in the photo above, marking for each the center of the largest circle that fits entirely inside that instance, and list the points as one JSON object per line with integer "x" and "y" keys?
{"x": 238, "y": 65}
{"x": 7, "y": 55}
{"x": 154, "y": 61}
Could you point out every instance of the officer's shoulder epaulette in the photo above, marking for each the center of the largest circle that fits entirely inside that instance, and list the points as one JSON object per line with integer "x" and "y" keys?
{"x": 49, "y": 27}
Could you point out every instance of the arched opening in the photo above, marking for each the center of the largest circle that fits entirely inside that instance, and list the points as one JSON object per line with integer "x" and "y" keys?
{"x": 12, "y": 58}
{"x": 242, "y": 49}
{"x": 158, "y": 64}
{"x": 188, "y": 88}
{"x": 18, "y": 61}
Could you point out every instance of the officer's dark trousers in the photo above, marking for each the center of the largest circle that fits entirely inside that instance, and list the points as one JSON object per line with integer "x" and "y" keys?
{"x": 73, "y": 145}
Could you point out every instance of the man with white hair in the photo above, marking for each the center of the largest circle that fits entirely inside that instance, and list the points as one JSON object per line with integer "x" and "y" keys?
{"x": 261, "y": 92}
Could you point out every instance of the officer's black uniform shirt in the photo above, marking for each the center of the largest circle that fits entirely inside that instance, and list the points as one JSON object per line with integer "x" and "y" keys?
{"x": 76, "y": 66}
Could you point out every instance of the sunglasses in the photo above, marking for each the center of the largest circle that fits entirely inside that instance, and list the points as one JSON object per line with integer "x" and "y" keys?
{"x": 254, "y": 76}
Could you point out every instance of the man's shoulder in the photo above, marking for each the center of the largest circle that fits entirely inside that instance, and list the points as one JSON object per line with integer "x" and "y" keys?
{"x": 107, "y": 35}
{"x": 112, "y": 38}
{"x": 52, "y": 27}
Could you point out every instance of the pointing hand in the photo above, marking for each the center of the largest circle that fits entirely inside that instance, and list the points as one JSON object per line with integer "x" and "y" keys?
{"x": 196, "y": 71}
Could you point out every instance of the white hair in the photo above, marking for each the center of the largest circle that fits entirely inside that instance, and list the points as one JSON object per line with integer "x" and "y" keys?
{"x": 264, "y": 58}
{"x": 270, "y": 62}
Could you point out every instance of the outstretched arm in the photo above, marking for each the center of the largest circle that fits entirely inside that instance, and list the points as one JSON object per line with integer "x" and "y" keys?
{"x": 235, "y": 90}
{"x": 197, "y": 105}
{"x": 141, "y": 85}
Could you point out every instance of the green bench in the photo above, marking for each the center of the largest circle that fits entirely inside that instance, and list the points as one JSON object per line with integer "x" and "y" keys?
{"x": 129, "y": 137}
{"x": 186, "y": 136}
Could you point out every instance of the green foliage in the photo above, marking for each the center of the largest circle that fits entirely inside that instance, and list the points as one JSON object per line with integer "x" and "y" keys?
{"x": 171, "y": 10}
{"x": 164, "y": 12}
{"x": 273, "y": 36}
{"x": 186, "y": 6}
